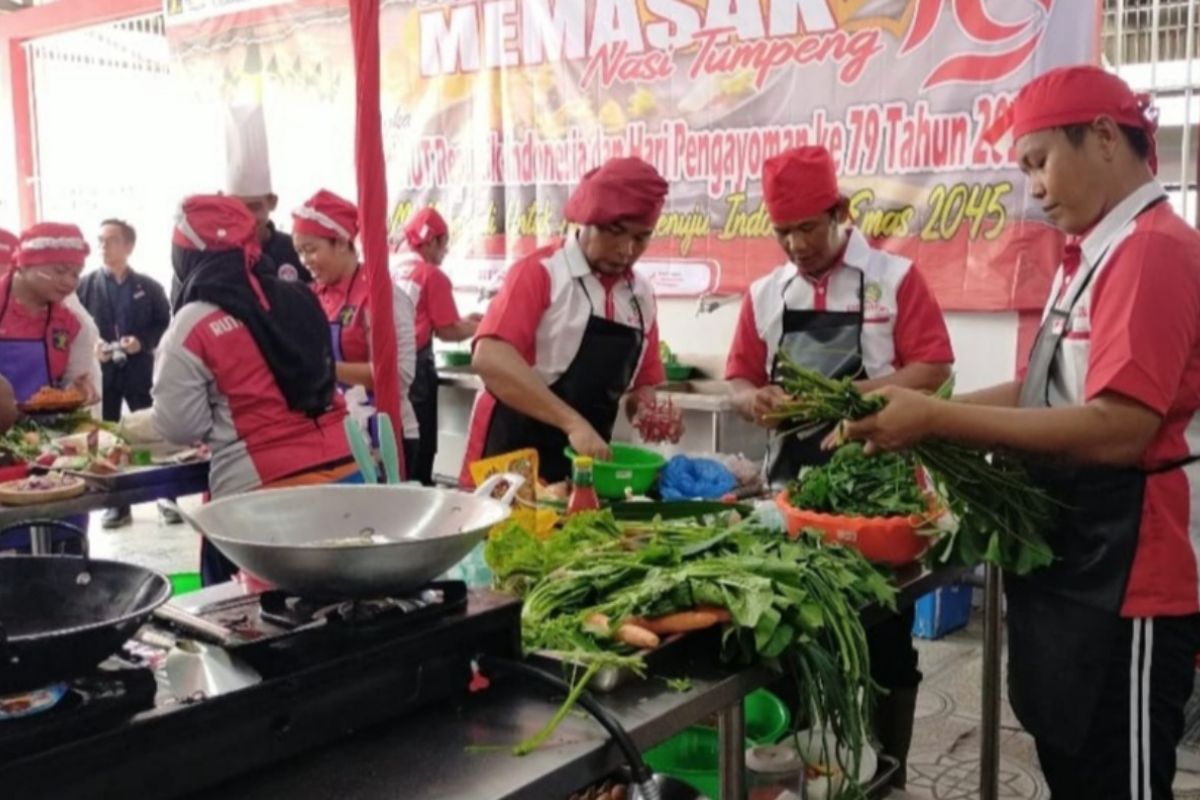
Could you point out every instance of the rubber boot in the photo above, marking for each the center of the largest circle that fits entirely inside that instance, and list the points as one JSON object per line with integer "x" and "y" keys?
{"x": 894, "y": 714}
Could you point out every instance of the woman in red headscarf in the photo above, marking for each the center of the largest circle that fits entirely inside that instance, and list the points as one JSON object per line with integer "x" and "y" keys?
{"x": 417, "y": 271}
{"x": 573, "y": 328}
{"x": 1102, "y": 643}
{"x": 246, "y": 366}
{"x": 44, "y": 339}
{"x": 323, "y": 230}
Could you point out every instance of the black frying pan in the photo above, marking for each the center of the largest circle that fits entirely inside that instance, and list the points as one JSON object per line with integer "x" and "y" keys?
{"x": 55, "y": 625}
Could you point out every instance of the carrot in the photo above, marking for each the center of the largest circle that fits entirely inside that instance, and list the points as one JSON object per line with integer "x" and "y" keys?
{"x": 636, "y": 636}
{"x": 684, "y": 621}
{"x": 596, "y": 624}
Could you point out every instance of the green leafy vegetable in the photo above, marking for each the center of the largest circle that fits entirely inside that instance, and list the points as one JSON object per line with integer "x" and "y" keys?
{"x": 1001, "y": 515}
{"x": 855, "y": 484}
{"x": 793, "y": 604}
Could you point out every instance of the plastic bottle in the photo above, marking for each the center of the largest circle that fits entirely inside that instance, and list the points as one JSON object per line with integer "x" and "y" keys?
{"x": 583, "y": 489}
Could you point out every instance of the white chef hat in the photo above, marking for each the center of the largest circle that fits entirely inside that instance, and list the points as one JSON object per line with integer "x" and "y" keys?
{"x": 247, "y": 157}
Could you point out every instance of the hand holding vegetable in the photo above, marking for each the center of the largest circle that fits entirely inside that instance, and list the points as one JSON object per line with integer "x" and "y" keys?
{"x": 902, "y": 423}
{"x": 767, "y": 401}
{"x": 1002, "y": 517}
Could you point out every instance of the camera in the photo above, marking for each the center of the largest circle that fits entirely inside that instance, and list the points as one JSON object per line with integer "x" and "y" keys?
{"x": 115, "y": 352}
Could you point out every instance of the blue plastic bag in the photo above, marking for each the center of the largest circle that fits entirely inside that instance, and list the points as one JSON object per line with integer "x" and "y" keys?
{"x": 686, "y": 478}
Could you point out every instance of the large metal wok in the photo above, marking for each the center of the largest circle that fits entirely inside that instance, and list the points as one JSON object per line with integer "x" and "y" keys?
{"x": 352, "y": 541}
{"x": 61, "y": 615}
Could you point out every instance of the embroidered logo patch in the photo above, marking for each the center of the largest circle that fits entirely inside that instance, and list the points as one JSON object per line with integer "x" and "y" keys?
{"x": 60, "y": 339}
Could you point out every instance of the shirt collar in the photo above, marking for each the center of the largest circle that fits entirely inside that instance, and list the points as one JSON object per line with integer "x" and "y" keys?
{"x": 1102, "y": 234}
{"x": 341, "y": 288}
{"x": 577, "y": 264}
{"x": 855, "y": 252}
{"x": 858, "y": 251}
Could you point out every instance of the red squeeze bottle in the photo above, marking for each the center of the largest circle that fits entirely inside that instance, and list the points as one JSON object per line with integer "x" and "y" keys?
{"x": 583, "y": 490}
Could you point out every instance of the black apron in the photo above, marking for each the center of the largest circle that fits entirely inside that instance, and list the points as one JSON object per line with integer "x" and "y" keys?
{"x": 593, "y": 384}
{"x": 828, "y": 342}
{"x": 423, "y": 395}
{"x": 1063, "y": 619}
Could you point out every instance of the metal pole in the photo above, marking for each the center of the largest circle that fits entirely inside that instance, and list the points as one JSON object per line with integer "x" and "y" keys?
{"x": 1119, "y": 50}
{"x": 731, "y": 745}
{"x": 1154, "y": 48}
{"x": 989, "y": 748}
{"x": 1189, "y": 39}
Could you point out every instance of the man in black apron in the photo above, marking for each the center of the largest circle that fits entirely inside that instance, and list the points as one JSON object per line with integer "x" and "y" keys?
{"x": 1102, "y": 642}
{"x": 845, "y": 310}
{"x": 573, "y": 329}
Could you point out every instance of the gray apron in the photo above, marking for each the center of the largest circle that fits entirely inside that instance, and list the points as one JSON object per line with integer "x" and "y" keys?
{"x": 828, "y": 342}
{"x": 1063, "y": 619}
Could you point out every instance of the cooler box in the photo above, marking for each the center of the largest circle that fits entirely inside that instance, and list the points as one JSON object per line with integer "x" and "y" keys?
{"x": 942, "y": 611}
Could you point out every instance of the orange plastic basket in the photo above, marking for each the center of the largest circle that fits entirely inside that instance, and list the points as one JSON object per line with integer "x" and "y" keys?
{"x": 882, "y": 540}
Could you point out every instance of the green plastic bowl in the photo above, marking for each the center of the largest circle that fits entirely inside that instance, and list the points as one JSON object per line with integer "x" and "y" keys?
{"x": 767, "y": 717}
{"x": 632, "y": 467}
{"x": 678, "y": 372}
{"x": 692, "y": 755}
{"x": 184, "y": 582}
{"x": 456, "y": 358}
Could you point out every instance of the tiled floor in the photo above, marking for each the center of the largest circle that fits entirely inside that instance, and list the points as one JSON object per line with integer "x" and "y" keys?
{"x": 943, "y": 764}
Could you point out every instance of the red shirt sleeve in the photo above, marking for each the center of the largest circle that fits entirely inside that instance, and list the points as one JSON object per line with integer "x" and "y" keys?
{"x": 514, "y": 313}
{"x": 748, "y": 354}
{"x": 439, "y": 295}
{"x": 651, "y": 373}
{"x": 1145, "y": 316}
{"x": 920, "y": 334}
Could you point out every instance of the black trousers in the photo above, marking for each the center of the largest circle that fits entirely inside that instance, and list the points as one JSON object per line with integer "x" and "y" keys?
{"x": 119, "y": 389}
{"x": 1129, "y": 749}
{"x": 424, "y": 397}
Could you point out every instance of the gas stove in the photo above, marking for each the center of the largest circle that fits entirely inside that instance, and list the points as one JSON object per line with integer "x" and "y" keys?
{"x": 328, "y": 669}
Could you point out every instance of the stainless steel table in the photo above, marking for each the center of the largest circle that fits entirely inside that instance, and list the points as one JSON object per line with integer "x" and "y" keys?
{"x": 152, "y": 484}
{"x": 464, "y": 753}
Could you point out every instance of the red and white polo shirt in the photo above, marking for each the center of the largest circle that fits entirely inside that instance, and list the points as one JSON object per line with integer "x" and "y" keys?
{"x": 543, "y": 309}
{"x": 1135, "y": 331}
{"x": 902, "y": 323}
{"x": 431, "y": 292}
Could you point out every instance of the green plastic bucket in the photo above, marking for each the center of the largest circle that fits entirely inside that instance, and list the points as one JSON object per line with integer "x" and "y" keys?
{"x": 692, "y": 756}
{"x": 184, "y": 582}
{"x": 632, "y": 467}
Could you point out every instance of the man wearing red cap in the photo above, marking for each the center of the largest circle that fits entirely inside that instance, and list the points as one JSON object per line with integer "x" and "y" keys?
{"x": 417, "y": 272}
{"x": 1102, "y": 643}
{"x": 324, "y": 230}
{"x": 43, "y": 337}
{"x": 573, "y": 328}
{"x": 246, "y": 366}
{"x": 846, "y": 310}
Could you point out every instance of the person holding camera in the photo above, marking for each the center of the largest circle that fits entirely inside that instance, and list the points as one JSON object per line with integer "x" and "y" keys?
{"x": 132, "y": 313}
